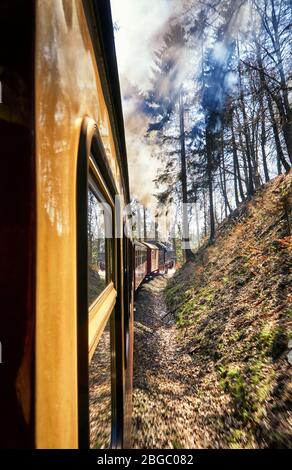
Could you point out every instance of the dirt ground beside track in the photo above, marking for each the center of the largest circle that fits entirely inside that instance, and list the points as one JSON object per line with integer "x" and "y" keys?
{"x": 173, "y": 406}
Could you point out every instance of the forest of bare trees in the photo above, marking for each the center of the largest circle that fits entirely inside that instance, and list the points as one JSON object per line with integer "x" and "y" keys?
{"x": 220, "y": 106}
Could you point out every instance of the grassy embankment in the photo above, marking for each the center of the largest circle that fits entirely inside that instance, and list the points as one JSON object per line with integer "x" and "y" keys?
{"x": 233, "y": 313}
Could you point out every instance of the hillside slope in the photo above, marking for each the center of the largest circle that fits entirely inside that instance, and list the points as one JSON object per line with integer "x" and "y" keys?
{"x": 235, "y": 321}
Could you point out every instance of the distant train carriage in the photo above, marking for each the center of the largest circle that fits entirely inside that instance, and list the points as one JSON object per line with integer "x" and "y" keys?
{"x": 166, "y": 256}
{"x": 152, "y": 259}
{"x": 140, "y": 255}
{"x": 162, "y": 256}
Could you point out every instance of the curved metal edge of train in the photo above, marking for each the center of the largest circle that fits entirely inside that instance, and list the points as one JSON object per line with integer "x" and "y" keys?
{"x": 60, "y": 120}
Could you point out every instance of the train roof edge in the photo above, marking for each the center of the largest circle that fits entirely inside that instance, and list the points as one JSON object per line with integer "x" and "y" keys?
{"x": 138, "y": 243}
{"x": 150, "y": 245}
{"x": 160, "y": 245}
{"x": 99, "y": 18}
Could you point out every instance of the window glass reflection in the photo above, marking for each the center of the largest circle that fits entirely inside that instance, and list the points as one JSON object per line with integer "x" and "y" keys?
{"x": 100, "y": 393}
{"x": 98, "y": 245}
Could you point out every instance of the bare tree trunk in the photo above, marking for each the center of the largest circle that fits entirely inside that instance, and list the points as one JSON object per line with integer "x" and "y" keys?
{"x": 243, "y": 154}
{"x": 197, "y": 224}
{"x": 281, "y": 99}
{"x": 280, "y": 155}
{"x": 209, "y": 148}
{"x": 286, "y": 125}
{"x": 235, "y": 183}
{"x": 279, "y": 166}
{"x": 156, "y": 226}
{"x": 257, "y": 175}
{"x": 145, "y": 224}
{"x": 252, "y": 131}
{"x": 234, "y": 150}
{"x": 139, "y": 223}
{"x": 205, "y": 213}
{"x": 236, "y": 166}
{"x": 263, "y": 115}
{"x": 250, "y": 186}
{"x": 185, "y": 223}
{"x": 223, "y": 189}
{"x": 174, "y": 248}
{"x": 222, "y": 175}
{"x": 263, "y": 137}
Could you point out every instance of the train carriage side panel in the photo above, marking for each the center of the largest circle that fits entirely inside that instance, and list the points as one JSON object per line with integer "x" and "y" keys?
{"x": 58, "y": 77}
{"x": 70, "y": 85}
{"x": 140, "y": 252}
{"x": 155, "y": 261}
{"x": 162, "y": 256}
{"x": 152, "y": 258}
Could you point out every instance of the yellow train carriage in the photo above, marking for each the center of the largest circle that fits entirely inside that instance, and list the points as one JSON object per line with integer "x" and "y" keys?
{"x": 66, "y": 282}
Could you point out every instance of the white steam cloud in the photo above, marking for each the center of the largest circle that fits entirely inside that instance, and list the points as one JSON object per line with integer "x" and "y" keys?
{"x": 140, "y": 26}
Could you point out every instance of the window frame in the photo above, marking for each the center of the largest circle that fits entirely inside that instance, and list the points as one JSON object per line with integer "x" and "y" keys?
{"x": 92, "y": 157}
{"x": 102, "y": 307}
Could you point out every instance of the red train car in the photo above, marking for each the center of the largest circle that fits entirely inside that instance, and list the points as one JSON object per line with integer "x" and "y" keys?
{"x": 140, "y": 256}
{"x": 165, "y": 256}
{"x": 152, "y": 259}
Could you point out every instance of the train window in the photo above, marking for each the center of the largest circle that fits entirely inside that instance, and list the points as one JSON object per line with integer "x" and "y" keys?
{"x": 101, "y": 302}
{"x": 99, "y": 243}
{"x": 100, "y": 392}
